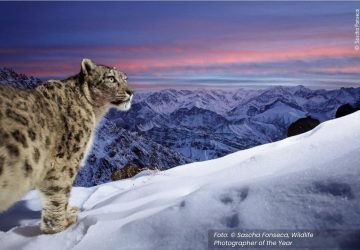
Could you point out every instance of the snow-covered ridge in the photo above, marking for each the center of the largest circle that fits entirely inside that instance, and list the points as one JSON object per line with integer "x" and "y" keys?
{"x": 310, "y": 181}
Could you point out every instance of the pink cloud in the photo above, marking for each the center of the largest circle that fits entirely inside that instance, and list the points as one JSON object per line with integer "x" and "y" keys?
{"x": 219, "y": 57}
{"x": 155, "y": 59}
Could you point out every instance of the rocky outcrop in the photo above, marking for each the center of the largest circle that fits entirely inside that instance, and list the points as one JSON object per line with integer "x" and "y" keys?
{"x": 302, "y": 125}
{"x": 345, "y": 109}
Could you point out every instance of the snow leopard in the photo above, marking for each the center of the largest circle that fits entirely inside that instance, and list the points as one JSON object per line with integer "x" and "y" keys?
{"x": 46, "y": 133}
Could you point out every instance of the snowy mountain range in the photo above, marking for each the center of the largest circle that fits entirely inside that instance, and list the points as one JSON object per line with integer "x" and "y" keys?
{"x": 196, "y": 125}
{"x": 116, "y": 147}
{"x": 306, "y": 183}
{"x": 206, "y": 124}
{"x": 10, "y": 77}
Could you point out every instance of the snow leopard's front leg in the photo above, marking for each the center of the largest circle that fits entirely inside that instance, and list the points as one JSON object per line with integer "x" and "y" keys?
{"x": 55, "y": 189}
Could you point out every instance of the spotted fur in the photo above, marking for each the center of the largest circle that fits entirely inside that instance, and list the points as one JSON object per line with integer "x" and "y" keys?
{"x": 45, "y": 134}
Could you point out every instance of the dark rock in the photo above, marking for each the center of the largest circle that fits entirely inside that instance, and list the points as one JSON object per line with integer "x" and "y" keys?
{"x": 345, "y": 109}
{"x": 302, "y": 125}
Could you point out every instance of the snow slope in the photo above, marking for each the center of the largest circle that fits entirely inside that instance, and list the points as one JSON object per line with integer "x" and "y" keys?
{"x": 310, "y": 181}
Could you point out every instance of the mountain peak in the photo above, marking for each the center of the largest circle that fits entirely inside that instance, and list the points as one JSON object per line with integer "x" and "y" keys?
{"x": 10, "y": 77}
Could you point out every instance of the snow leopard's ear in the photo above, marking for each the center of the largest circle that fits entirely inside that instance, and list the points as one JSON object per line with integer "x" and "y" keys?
{"x": 86, "y": 66}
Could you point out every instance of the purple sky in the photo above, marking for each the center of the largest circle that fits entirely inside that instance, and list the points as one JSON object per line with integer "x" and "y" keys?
{"x": 186, "y": 44}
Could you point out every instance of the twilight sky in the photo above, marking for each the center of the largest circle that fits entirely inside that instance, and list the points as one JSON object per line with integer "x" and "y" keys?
{"x": 186, "y": 44}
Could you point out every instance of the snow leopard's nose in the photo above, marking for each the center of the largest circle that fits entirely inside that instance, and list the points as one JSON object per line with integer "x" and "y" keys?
{"x": 129, "y": 91}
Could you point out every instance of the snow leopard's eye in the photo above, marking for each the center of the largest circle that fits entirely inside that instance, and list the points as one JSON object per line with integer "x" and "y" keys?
{"x": 111, "y": 79}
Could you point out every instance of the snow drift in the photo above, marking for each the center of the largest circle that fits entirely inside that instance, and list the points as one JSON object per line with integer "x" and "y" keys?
{"x": 310, "y": 181}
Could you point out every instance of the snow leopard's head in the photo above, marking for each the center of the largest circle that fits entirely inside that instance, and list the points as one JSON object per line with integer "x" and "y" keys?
{"x": 105, "y": 85}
